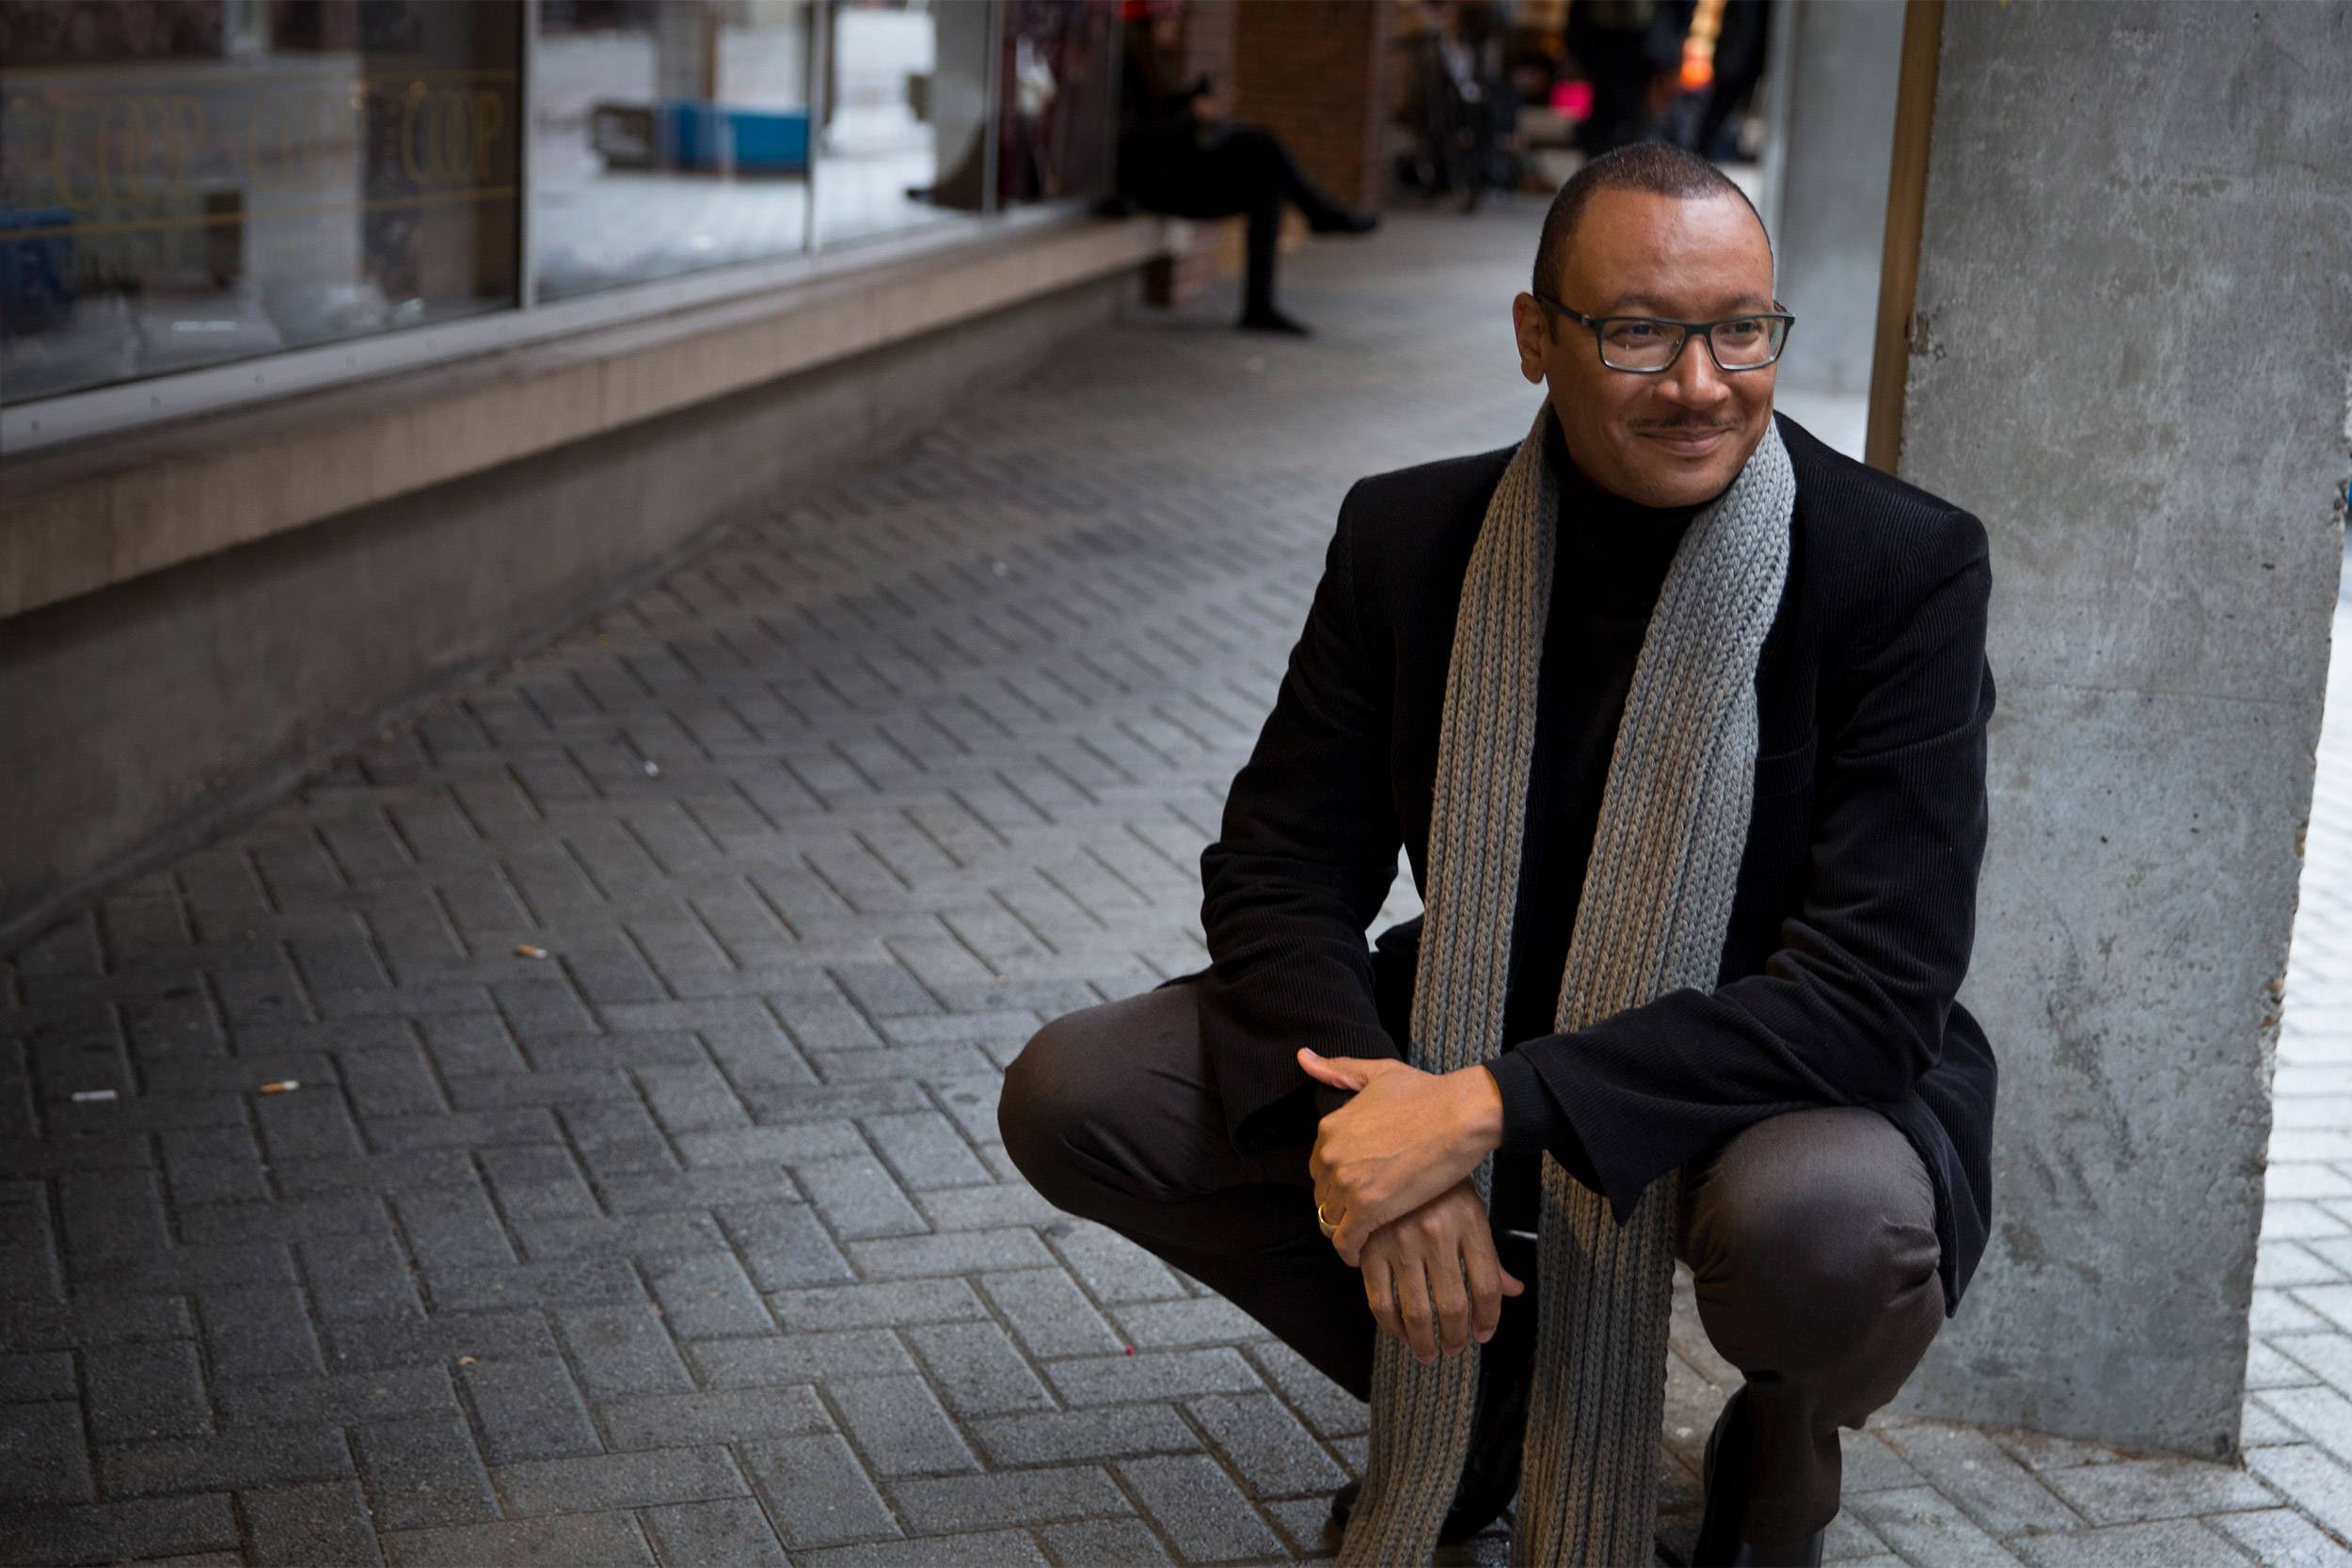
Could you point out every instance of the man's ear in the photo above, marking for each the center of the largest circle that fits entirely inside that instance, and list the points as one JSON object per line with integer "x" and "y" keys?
{"x": 1532, "y": 329}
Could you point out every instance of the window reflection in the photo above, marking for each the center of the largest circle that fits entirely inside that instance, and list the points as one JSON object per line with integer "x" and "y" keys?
{"x": 672, "y": 135}
{"x": 1056, "y": 100}
{"x": 196, "y": 183}
{"x": 1055, "y": 71}
{"x": 892, "y": 68}
{"x": 667, "y": 135}
{"x": 187, "y": 183}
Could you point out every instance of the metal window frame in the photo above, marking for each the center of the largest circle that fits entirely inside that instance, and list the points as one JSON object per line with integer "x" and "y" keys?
{"x": 131, "y": 406}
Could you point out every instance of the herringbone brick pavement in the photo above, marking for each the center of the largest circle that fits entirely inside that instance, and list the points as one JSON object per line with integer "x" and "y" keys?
{"x": 641, "y": 1199}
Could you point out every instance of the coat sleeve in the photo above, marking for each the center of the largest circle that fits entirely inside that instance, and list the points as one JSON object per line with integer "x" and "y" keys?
{"x": 1306, "y": 857}
{"x": 1851, "y": 1010}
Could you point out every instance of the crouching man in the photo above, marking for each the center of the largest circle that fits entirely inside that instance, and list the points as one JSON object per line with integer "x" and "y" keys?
{"x": 1681, "y": 718}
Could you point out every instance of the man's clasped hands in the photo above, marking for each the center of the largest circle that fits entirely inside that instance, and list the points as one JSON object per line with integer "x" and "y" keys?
{"x": 1392, "y": 1171}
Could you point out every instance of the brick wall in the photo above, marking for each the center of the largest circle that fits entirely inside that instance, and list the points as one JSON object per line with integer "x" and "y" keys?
{"x": 1209, "y": 31}
{"x": 1315, "y": 72}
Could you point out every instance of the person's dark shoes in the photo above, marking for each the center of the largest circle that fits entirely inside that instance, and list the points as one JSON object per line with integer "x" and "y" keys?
{"x": 1267, "y": 319}
{"x": 1719, "y": 1543}
{"x": 1344, "y": 1507}
{"x": 1342, "y": 220}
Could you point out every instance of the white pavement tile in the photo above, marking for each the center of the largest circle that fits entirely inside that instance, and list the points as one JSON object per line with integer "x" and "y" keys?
{"x": 2295, "y": 1220}
{"x": 1848, "y": 1540}
{"x": 2276, "y": 1312}
{"x": 2038, "y": 1451}
{"x": 2261, "y": 1427}
{"x": 2137, "y": 1490}
{"x": 2332, "y": 1302}
{"x": 2291, "y": 1265}
{"x": 1929, "y": 1530}
{"x": 2282, "y": 1537}
{"x": 2309, "y": 1178}
{"x": 2174, "y": 1544}
{"x": 2321, "y": 1109}
{"x": 2325, "y": 1356}
{"x": 2322, "y": 1415}
{"x": 2272, "y": 1368}
{"x": 1968, "y": 1468}
{"x": 2312, "y": 1481}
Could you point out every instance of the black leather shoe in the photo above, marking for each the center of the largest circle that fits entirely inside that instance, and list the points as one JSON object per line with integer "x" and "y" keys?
{"x": 1719, "y": 1543}
{"x": 1344, "y": 1508}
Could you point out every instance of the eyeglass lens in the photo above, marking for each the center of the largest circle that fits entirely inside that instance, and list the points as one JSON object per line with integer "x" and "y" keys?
{"x": 1636, "y": 344}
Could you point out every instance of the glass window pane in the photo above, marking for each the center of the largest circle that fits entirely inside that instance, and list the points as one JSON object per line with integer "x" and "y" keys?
{"x": 189, "y": 182}
{"x": 906, "y": 80}
{"x": 667, "y": 137}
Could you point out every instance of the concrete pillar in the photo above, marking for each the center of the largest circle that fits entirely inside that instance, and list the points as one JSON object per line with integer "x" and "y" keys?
{"x": 2128, "y": 353}
{"x": 1827, "y": 201}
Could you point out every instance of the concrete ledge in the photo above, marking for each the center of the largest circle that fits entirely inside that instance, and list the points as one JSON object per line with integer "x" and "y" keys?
{"x": 100, "y": 512}
{"x": 150, "y": 715}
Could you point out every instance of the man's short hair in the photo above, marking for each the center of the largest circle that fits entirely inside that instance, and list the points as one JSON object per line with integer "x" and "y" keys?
{"x": 1653, "y": 166}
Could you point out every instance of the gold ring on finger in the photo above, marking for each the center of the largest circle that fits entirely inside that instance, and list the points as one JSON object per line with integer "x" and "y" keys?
{"x": 1330, "y": 1229}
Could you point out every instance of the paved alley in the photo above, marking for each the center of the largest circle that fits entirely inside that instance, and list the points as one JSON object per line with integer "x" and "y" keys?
{"x": 633, "y": 1191}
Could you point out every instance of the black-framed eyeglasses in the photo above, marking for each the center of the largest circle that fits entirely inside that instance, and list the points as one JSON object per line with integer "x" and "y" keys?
{"x": 1649, "y": 345}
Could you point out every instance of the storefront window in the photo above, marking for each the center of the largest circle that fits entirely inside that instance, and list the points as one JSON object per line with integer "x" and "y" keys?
{"x": 672, "y": 135}
{"x": 904, "y": 83}
{"x": 189, "y": 183}
{"x": 667, "y": 137}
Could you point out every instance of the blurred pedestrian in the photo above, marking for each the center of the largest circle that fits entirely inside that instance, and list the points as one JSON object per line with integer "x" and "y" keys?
{"x": 1614, "y": 41}
{"x": 1179, "y": 154}
{"x": 1739, "y": 29}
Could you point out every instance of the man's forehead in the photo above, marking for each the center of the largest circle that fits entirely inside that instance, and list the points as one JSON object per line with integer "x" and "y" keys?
{"x": 1642, "y": 248}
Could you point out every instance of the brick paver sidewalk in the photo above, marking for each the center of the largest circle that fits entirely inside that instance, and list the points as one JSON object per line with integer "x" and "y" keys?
{"x": 691, "y": 1241}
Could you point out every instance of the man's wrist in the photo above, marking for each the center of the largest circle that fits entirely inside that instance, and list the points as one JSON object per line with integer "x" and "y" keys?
{"x": 1479, "y": 1110}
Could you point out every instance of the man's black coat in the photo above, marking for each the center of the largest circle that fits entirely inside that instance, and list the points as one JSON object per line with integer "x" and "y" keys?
{"x": 1855, "y": 910}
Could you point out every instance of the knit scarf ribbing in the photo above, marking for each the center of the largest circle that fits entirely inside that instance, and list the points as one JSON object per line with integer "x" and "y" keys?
{"x": 1656, "y": 906}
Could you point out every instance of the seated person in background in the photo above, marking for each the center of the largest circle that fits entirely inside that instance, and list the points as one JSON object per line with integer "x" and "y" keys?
{"x": 1177, "y": 155}
{"x": 1680, "y": 716}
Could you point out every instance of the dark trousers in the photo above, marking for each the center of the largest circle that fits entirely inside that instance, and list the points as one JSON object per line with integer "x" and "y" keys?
{"x": 1241, "y": 169}
{"x": 1811, "y": 1236}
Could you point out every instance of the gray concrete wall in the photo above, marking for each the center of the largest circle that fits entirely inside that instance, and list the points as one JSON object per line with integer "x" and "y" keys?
{"x": 1830, "y": 185}
{"x": 2134, "y": 327}
{"x": 140, "y": 717}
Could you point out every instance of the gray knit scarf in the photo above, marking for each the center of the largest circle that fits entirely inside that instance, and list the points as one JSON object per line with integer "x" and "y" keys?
{"x": 1657, "y": 903}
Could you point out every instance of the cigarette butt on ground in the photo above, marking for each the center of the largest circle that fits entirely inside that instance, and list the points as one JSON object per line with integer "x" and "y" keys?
{"x": 524, "y": 950}
{"x": 86, "y": 1097}
{"x": 653, "y": 770}
{"x": 464, "y": 1360}
{"x": 284, "y": 1086}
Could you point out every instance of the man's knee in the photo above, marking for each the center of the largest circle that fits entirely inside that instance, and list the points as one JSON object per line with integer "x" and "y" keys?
{"x": 1102, "y": 1104}
{"x": 1810, "y": 1231}
{"x": 1048, "y": 1090}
